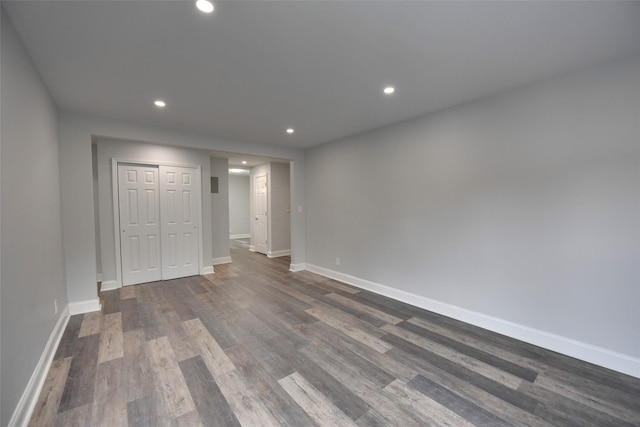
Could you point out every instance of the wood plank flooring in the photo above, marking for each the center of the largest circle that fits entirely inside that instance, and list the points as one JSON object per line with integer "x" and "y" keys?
{"x": 257, "y": 345}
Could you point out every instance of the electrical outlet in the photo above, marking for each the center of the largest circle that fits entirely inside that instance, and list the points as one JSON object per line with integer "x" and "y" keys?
{"x": 55, "y": 306}
{"x": 337, "y": 260}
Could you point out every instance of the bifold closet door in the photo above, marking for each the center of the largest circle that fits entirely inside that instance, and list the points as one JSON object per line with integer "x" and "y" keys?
{"x": 179, "y": 229}
{"x": 139, "y": 223}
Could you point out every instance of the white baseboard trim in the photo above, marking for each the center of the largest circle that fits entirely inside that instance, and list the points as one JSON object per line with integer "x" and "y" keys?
{"x": 99, "y": 277}
{"x": 27, "y": 403}
{"x": 240, "y": 236}
{"x": 297, "y": 267}
{"x": 221, "y": 260}
{"x": 276, "y": 254}
{"x": 589, "y": 353}
{"x": 252, "y": 248}
{"x": 207, "y": 270}
{"x": 81, "y": 307}
{"x": 109, "y": 285}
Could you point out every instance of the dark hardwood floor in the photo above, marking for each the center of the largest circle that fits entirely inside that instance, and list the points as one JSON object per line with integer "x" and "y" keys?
{"x": 257, "y": 345}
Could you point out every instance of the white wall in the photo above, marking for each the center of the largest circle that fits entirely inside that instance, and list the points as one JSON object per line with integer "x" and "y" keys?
{"x": 140, "y": 152}
{"x": 239, "y": 215}
{"x": 32, "y": 274}
{"x": 523, "y": 207}
{"x": 76, "y": 133}
{"x": 220, "y": 211}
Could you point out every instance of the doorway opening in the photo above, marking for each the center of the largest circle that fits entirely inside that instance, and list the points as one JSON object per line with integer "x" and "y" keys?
{"x": 259, "y": 204}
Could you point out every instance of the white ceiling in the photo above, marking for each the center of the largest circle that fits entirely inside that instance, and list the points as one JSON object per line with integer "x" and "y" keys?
{"x": 251, "y": 69}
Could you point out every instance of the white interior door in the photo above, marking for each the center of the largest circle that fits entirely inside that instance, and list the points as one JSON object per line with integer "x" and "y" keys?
{"x": 260, "y": 211}
{"x": 138, "y": 192}
{"x": 179, "y": 194}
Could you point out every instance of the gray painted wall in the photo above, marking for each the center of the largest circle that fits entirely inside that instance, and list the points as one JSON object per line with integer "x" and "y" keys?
{"x": 96, "y": 206}
{"x": 239, "y": 196}
{"x": 132, "y": 152}
{"x": 32, "y": 274}
{"x": 78, "y": 222}
{"x": 280, "y": 207}
{"x": 523, "y": 206}
{"x": 220, "y": 209}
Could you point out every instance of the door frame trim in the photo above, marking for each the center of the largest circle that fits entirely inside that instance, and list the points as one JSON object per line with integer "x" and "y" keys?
{"x": 116, "y": 210}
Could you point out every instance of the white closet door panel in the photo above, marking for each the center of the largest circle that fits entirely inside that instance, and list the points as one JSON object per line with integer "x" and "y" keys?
{"x": 138, "y": 189}
{"x": 178, "y": 212}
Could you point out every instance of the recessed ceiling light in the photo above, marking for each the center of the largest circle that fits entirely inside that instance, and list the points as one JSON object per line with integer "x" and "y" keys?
{"x": 204, "y": 6}
{"x": 244, "y": 162}
{"x": 160, "y": 103}
{"x": 389, "y": 90}
{"x": 290, "y": 130}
